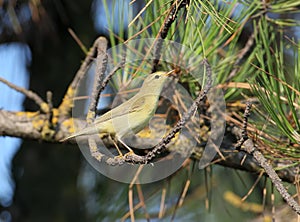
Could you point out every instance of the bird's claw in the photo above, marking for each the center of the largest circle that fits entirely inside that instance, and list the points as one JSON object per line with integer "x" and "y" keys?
{"x": 128, "y": 157}
{"x": 132, "y": 157}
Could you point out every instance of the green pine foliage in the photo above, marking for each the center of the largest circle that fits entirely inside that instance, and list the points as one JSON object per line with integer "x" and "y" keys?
{"x": 248, "y": 43}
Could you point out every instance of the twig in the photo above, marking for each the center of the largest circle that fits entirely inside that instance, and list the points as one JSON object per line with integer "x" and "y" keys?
{"x": 162, "y": 203}
{"x": 50, "y": 105}
{"x": 108, "y": 77}
{"x": 136, "y": 207}
{"x": 245, "y": 124}
{"x": 130, "y": 202}
{"x": 142, "y": 200}
{"x": 66, "y": 106}
{"x": 251, "y": 149}
{"x": 175, "y": 6}
{"x": 94, "y": 149}
{"x": 99, "y": 76}
{"x": 28, "y": 93}
{"x": 77, "y": 40}
{"x": 184, "y": 192}
{"x": 253, "y": 186}
{"x": 99, "y": 84}
{"x": 240, "y": 56}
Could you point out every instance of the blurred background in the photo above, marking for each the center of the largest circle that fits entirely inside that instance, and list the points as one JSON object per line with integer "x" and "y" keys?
{"x": 53, "y": 182}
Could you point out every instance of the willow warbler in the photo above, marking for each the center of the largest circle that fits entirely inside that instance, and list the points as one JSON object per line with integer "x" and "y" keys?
{"x": 131, "y": 116}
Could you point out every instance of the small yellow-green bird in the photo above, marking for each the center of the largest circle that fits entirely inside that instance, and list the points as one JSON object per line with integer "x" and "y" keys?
{"x": 131, "y": 116}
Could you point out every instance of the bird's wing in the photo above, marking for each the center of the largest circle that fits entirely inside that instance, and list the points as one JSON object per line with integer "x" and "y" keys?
{"x": 137, "y": 105}
{"x": 130, "y": 106}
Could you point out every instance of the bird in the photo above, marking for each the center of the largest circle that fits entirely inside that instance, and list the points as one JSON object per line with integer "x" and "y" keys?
{"x": 131, "y": 116}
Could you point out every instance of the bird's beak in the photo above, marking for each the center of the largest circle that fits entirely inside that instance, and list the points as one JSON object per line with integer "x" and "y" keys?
{"x": 170, "y": 72}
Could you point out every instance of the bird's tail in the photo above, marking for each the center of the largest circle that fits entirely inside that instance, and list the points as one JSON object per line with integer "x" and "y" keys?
{"x": 90, "y": 130}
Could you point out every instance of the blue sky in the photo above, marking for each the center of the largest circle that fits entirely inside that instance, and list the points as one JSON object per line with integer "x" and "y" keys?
{"x": 14, "y": 58}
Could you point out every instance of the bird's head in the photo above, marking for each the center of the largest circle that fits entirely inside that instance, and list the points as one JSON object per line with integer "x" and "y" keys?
{"x": 156, "y": 80}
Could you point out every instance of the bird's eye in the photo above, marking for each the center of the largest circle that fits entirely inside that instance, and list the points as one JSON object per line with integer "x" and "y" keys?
{"x": 156, "y": 76}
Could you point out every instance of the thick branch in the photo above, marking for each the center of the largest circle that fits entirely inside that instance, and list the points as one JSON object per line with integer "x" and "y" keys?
{"x": 30, "y": 125}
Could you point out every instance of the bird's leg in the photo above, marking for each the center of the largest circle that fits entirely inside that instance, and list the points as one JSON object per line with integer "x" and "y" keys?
{"x": 127, "y": 147}
{"x": 116, "y": 145}
{"x": 119, "y": 151}
{"x": 131, "y": 155}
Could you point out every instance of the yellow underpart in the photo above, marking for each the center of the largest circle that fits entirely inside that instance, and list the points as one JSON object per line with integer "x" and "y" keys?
{"x": 145, "y": 133}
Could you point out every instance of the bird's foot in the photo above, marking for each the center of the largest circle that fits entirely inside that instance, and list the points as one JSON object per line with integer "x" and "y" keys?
{"x": 132, "y": 157}
{"x": 120, "y": 156}
{"x": 117, "y": 160}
